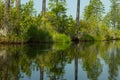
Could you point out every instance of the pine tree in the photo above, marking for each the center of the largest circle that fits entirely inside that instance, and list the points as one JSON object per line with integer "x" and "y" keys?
{"x": 115, "y": 13}
{"x": 95, "y": 9}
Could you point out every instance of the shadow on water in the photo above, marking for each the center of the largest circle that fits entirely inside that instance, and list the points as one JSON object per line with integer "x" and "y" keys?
{"x": 83, "y": 61}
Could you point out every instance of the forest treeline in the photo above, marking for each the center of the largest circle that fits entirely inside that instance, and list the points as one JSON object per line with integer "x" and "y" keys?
{"x": 20, "y": 23}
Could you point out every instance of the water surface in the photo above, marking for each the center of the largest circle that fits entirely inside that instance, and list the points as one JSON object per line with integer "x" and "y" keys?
{"x": 83, "y": 61}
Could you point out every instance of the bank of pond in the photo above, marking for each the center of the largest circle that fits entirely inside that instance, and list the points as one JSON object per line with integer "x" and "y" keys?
{"x": 47, "y": 34}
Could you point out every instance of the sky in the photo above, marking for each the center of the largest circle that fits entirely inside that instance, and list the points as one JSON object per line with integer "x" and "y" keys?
{"x": 71, "y": 6}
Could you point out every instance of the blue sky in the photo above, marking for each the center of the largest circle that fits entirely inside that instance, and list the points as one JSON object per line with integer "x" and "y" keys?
{"x": 71, "y": 5}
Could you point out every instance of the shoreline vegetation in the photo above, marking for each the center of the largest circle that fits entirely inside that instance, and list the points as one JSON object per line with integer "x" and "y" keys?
{"x": 20, "y": 23}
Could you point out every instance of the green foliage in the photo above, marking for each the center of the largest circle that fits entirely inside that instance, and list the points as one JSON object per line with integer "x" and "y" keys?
{"x": 113, "y": 16}
{"x": 110, "y": 35}
{"x": 93, "y": 24}
{"x": 86, "y": 37}
{"x": 56, "y": 36}
{"x": 1, "y": 13}
{"x": 113, "y": 34}
{"x": 96, "y": 33}
{"x": 56, "y": 26}
{"x": 94, "y": 9}
{"x": 59, "y": 17}
{"x": 117, "y": 34}
{"x": 59, "y": 38}
{"x": 38, "y": 35}
{"x": 112, "y": 20}
{"x": 70, "y": 30}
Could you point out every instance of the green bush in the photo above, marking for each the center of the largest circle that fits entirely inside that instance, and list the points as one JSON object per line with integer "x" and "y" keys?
{"x": 110, "y": 35}
{"x": 117, "y": 34}
{"x": 45, "y": 34}
{"x": 60, "y": 38}
{"x": 56, "y": 36}
{"x": 87, "y": 37}
{"x": 38, "y": 35}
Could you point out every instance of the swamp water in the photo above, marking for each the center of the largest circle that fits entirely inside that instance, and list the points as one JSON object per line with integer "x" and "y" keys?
{"x": 83, "y": 61}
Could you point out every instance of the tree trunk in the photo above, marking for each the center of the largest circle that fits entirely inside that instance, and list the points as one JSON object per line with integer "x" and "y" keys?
{"x": 76, "y": 61}
{"x": 17, "y": 4}
{"x": 41, "y": 73}
{"x": 56, "y": 7}
{"x": 76, "y": 66}
{"x": 77, "y": 18}
{"x": 78, "y": 13}
{"x": 43, "y": 7}
{"x": 6, "y": 17}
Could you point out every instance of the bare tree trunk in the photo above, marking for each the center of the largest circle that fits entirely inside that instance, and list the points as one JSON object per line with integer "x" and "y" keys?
{"x": 77, "y": 19}
{"x": 6, "y": 17}
{"x": 78, "y": 13}
{"x": 43, "y": 7}
{"x": 17, "y": 4}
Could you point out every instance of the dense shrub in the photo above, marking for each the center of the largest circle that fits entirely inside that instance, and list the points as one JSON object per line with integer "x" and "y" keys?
{"x": 38, "y": 35}
{"x": 59, "y": 38}
{"x": 86, "y": 37}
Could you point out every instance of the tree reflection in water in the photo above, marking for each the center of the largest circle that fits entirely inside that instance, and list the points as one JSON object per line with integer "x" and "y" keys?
{"x": 20, "y": 61}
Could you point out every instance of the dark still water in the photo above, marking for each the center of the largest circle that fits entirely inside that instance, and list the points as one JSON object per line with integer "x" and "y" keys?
{"x": 84, "y": 61}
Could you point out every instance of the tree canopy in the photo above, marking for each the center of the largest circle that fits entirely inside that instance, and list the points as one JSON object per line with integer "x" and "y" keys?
{"x": 23, "y": 24}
